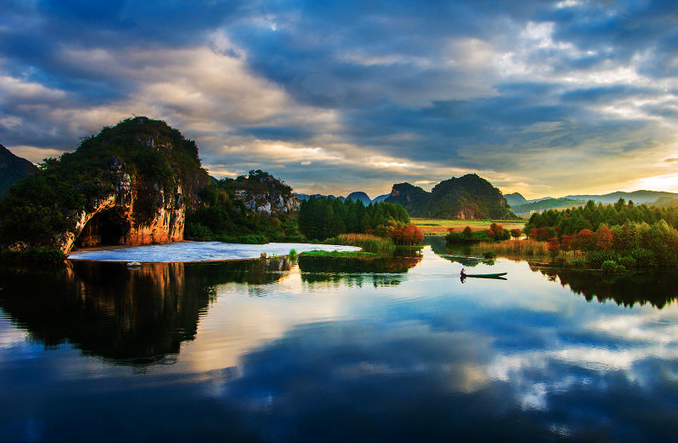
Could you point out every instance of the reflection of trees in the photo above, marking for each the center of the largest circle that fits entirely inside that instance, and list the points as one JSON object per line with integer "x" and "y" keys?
{"x": 657, "y": 288}
{"x": 133, "y": 316}
{"x": 379, "y": 271}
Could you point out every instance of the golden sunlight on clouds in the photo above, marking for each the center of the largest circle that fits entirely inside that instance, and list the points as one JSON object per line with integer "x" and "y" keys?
{"x": 665, "y": 182}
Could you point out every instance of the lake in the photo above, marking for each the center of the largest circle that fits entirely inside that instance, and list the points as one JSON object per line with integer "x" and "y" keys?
{"x": 336, "y": 350}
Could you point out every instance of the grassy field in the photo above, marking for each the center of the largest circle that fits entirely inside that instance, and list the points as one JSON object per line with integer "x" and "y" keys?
{"x": 441, "y": 227}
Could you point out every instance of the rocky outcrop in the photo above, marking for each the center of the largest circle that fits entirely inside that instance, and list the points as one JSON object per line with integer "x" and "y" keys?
{"x": 263, "y": 193}
{"x": 268, "y": 203}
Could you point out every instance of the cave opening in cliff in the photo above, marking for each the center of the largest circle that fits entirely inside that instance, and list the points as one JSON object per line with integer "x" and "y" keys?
{"x": 107, "y": 228}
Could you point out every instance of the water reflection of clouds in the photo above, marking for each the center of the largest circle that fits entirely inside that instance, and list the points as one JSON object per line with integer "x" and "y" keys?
{"x": 588, "y": 346}
{"x": 298, "y": 361}
{"x": 536, "y": 341}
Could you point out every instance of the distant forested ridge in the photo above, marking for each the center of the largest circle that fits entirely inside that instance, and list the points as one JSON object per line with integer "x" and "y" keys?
{"x": 547, "y": 203}
{"x": 467, "y": 197}
{"x": 638, "y": 197}
{"x": 13, "y": 169}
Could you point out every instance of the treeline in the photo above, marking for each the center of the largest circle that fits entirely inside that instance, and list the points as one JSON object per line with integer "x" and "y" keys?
{"x": 613, "y": 236}
{"x": 321, "y": 218}
{"x": 592, "y": 216}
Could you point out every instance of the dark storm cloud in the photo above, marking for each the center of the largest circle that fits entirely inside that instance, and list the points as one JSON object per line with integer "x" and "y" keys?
{"x": 618, "y": 31}
{"x": 479, "y": 85}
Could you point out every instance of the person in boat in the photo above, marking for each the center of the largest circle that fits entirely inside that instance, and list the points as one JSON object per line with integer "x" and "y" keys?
{"x": 463, "y": 272}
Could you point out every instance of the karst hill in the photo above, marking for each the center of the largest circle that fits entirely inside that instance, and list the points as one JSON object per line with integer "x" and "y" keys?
{"x": 129, "y": 185}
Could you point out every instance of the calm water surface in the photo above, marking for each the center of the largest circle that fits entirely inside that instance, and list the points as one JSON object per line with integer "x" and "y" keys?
{"x": 330, "y": 350}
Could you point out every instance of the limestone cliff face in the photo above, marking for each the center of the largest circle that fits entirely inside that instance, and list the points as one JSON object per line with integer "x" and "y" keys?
{"x": 136, "y": 211}
{"x": 263, "y": 193}
{"x": 268, "y": 203}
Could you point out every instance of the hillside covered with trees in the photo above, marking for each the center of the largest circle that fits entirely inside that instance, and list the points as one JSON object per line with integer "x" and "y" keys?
{"x": 467, "y": 197}
{"x": 256, "y": 208}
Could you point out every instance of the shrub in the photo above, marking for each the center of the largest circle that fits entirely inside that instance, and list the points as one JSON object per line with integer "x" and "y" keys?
{"x": 407, "y": 235}
{"x": 197, "y": 231}
{"x": 497, "y": 232}
{"x": 33, "y": 255}
{"x": 596, "y": 258}
{"x": 488, "y": 255}
{"x": 553, "y": 246}
{"x": 627, "y": 262}
{"x": 578, "y": 262}
{"x": 611, "y": 266}
{"x": 644, "y": 258}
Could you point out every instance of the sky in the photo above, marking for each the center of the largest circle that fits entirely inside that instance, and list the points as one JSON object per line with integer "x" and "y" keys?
{"x": 545, "y": 98}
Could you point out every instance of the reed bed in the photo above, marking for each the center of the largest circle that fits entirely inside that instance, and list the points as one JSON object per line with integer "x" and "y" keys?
{"x": 523, "y": 248}
{"x": 369, "y": 243}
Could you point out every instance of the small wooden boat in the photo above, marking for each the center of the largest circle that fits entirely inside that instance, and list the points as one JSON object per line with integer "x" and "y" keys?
{"x": 497, "y": 275}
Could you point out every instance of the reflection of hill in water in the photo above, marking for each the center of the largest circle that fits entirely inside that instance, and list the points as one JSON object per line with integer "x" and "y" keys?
{"x": 379, "y": 271}
{"x": 657, "y": 288}
{"x": 130, "y": 316}
{"x": 459, "y": 255}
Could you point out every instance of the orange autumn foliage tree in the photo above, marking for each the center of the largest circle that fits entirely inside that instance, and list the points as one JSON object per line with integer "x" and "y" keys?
{"x": 405, "y": 235}
{"x": 605, "y": 238}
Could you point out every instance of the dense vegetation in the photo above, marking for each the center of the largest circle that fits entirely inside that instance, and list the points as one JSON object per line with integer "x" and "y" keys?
{"x": 223, "y": 216}
{"x": 612, "y": 236}
{"x": 37, "y": 208}
{"x": 321, "y": 218}
{"x": 495, "y": 232}
{"x": 469, "y": 197}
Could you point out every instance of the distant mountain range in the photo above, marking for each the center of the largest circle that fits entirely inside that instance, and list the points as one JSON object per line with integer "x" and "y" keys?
{"x": 638, "y": 197}
{"x": 356, "y": 196}
{"x": 519, "y": 204}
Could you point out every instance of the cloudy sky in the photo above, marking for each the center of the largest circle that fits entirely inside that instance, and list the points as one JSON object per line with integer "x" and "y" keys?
{"x": 541, "y": 97}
